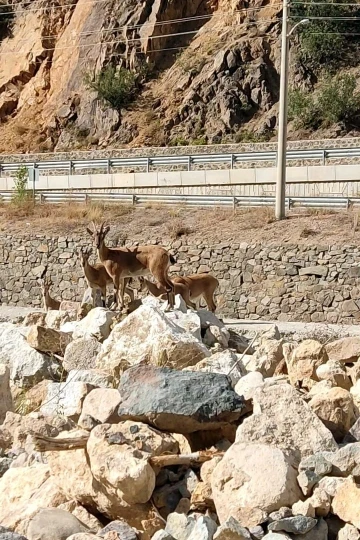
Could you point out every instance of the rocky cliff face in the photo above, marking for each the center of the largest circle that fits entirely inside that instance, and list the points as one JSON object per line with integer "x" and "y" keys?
{"x": 221, "y": 73}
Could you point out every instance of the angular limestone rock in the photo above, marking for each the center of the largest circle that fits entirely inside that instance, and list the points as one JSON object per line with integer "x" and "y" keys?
{"x": 149, "y": 336}
{"x": 254, "y": 476}
{"x": 281, "y": 418}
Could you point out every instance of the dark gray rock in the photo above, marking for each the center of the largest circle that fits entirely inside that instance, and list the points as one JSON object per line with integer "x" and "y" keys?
{"x": 319, "y": 532}
{"x": 4, "y": 465}
{"x": 294, "y": 525}
{"x": 178, "y": 401}
{"x": 125, "y": 532}
{"x": 7, "y": 534}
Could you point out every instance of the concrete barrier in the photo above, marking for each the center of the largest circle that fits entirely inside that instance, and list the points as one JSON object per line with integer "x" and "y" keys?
{"x": 301, "y": 181}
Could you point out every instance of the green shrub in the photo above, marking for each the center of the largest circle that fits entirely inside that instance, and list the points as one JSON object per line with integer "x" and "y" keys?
{"x": 20, "y": 182}
{"x": 179, "y": 141}
{"x": 199, "y": 141}
{"x": 301, "y": 108}
{"x": 116, "y": 86}
{"x": 321, "y": 45}
{"x": 336, "y": 101}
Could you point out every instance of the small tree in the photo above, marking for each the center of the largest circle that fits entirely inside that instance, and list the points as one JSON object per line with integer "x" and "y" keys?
{"x": 335, "y": 101}
{"x": 115, "y": 86}
{"x": 20, "y": 182}
{"x": 338, "y": 101}
{"x": 329, "y": 39}
{"x": 302, "y": 108}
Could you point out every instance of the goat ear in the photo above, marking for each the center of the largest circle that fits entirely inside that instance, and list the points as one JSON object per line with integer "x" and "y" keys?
{"x": 106, "y": 230}
{"x": 89, "y": 231}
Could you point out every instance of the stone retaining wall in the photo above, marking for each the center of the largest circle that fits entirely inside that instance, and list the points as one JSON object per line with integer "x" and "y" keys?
{"x": 290, "y": 282}
{"x": 350, "y": 142}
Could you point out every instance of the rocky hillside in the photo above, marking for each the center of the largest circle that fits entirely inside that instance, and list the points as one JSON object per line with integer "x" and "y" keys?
{"x": 168, "y": 426}
{"x": 211, "y": 73}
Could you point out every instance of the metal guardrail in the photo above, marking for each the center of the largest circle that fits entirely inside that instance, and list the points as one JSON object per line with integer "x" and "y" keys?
{"x": 188, "y": 200}
{"x": 151, "y": 163}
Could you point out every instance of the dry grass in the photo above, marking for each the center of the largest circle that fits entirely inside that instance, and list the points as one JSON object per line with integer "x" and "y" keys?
{"x": 162, "y": 224}
{"x": 177, "y": 228}
{"x": 68, "y": 215}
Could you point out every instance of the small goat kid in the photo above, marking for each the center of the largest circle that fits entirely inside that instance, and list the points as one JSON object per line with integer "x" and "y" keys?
{"x": 122, "y": 263}
{"x": 48, "y": 302}
{"x": 191, "y": 288}
{"x": 97, "y": 277}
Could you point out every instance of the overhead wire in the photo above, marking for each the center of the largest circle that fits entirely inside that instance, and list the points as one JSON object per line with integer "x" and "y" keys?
{"x": 85, "y": 2}
{"x": 134, "y": 40}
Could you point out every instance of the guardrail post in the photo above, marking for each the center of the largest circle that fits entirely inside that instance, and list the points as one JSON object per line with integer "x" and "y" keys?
{"x": 189, "y": 163}
{"x": 41, "y": 198}
{"x": 288, "y": 203}
{"x": 234, "y": 204}
{"x": 87, "y": 198}
{"x": 232, "y": 161}
{"x": 71, "y": 167}
{"x": 148, "y": 164}
{"x": 133, "y": 202}
{"x": 324, "y": 157}
{"x": 109, "y": 166}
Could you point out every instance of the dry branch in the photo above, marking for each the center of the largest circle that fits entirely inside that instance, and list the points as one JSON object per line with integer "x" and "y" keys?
{"x": 52, "y": 444}
{"x": 168, "y": 460}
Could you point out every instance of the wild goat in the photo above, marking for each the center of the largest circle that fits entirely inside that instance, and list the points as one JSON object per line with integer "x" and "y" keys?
{"x": 97, "y": 277}
{"x": 122, "y": 263}
{"x": 191, "y": 288}
{"x": 48, "y": 302}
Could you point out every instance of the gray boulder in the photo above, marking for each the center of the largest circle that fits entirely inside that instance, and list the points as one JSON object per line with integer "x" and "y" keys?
{"x": 294, "y": 525}
{"x": 81, "y": 353}
{"x": 232, "y": 530}
{"x": 95, "y": 377}
{"x": 7, "y": 534}
{"x": 353, "y": 434}
{"x": 27, "y": 366}
{"x": 178, "y": 401}
{"x": 124, "y": 531}
{"x": 51, "y": 523}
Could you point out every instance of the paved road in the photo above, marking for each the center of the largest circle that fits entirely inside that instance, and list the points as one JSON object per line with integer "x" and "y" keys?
{"x": 294, "y": 330}
{"x": 11, "y": 312}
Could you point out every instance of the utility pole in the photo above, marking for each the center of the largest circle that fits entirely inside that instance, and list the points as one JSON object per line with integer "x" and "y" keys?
{"x": 282, "y": 123}
{"x": 283, "y": 106}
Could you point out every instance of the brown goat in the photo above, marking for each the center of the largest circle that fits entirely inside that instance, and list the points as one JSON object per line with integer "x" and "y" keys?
{"x": 49, "y": 303}
{"x": 122, "y": 263}
{"x": 191, "y": 288}
{"x": 97, "y": 277}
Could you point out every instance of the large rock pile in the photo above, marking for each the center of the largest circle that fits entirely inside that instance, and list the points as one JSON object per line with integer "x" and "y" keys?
{"x": 152, "y": 428}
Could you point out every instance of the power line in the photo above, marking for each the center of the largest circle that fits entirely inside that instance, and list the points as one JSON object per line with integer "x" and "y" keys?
{"x": 327, "y": 18}
{"x": 123, "y": 28}
{"x": 332, "y": 4}
{"x": 102, "y": 1}
{"x": 134, "y": 40}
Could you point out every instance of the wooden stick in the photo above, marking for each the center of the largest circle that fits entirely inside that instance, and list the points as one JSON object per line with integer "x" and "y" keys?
{"x": 183, "y": 459}
{"x": 52, "y": 444}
